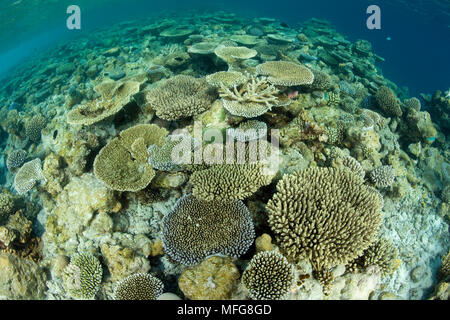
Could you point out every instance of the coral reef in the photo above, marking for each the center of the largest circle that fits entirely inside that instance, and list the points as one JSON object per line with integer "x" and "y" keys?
{"x": 283, "y": 73}
{"x": 27, "y": 176}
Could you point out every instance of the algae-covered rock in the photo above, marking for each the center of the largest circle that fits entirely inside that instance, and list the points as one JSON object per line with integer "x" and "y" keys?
{"x": 20, "y": 278}
{"x": 123, "y": 262}
{"x": 213, "y": 279}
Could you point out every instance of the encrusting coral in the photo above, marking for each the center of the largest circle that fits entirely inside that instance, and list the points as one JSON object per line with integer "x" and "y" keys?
{"x": 139, "y": 286}
{"x": 83, "y": 275}
{"x": 196, "y": 229}
{"x": 269, "y": 276}
{"x": 324, "y": 215}
{"x": 180, "y": 97}
{"x": 122, "y": 164}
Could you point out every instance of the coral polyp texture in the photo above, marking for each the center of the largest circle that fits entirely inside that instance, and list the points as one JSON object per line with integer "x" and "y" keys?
{"x": 388, "y": 102}
{"x": 123, "y": 163}
{"x": 269, "y": 276}
{"x": 28, "y": 175}
{"x": 139, "y": 286}
{"x": 16, "y": 159}
{"x": 34, "y": 126}
{"x": 195, "y": 229}
{"x": 229, "y": 181}
{"x": 82, "y": 277}
{"x": 326, "y": 216}
{"x": 180, "y": 97}
{"x": 284, "y": 73}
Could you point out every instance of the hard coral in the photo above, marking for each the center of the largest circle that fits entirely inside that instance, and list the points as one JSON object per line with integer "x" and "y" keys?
{"x": 28, "y": 175}
{"x": 284, "y": 73}
{"x": 388, "y": 102}
{"x": 196, "y": 229}
{"x": 180, "y": 97}
{"x": 122, "y": 164}
{"x": 269, "y": 276}
{"x": 139, "y": 286}
{"x": 325, "y": 215}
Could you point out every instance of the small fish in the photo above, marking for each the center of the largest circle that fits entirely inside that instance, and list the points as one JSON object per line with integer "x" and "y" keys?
{"x": 284, "y": 25}
{"x": 388, "y": 38}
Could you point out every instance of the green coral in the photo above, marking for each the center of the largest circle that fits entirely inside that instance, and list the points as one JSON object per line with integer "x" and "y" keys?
{"x": 139, "y": 286}
{"x": 269, "y": 276}
{"x": 324, "y": 215}
{"x": 83, "y": 275}
{"x": 196, "y": 229}
{"x": 122, "y": 164}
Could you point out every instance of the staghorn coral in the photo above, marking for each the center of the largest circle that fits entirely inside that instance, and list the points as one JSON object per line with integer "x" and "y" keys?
{"x": 213, "y": 279}
{"x": 34, "y": 126}
{"x": 325, "y": 278}
{"x": 16, "y": 159}
{"x": 139, "y": 286}
{"x": 196, "y": 229}
{"x": 388, "y": 102}
{"x": 252, "y": 99}
{"x": 325, "y": 215}
{"x": 229, "y": 181}
{"x": 383, "y": 176}
{"x": 28, "y": 175}
{"x": 122, "y": 164}
{"x": 269, "y": 276}
{"x": 113, "y": 97}
{"x": 82, "y": 277}
{"x": 180, "y": 97}
{"x": 284, "y": 73}
{"x": 228, "y": 79}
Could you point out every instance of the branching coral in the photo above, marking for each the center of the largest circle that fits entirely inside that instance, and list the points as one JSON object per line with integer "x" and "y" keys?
{"x": 250, "y": 100}
{"x": 284, "y": 73}
{"x": 113, "y": 97}
{"x": 383, "y": 176}
{"x": 181, "y": 97}
{"x": 82, "y": 277}
{"x": 196, "y": 229}
{"x": 122, "y": 164}
{"x": 381, "y": 253}
{"x": 139, "y": 286}
{"x": 325, "y": 215}
{"x": 269, "y": 276}
{"x": 229, "y": 181}
{"x": 28, "y": 175}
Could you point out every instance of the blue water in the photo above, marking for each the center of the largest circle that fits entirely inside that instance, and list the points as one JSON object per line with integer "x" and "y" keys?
{"x": 414, "y": 41}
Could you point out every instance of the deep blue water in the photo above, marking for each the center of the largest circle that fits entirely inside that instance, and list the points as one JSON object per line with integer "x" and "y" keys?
{"x": 417, "y": 54}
